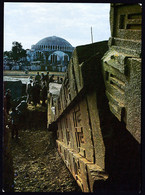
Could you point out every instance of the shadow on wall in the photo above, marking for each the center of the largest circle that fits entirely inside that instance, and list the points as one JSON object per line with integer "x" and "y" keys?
{"x": 122, "y": 151}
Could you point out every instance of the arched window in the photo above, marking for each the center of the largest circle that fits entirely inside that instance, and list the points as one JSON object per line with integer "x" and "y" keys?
{"x": 53, "y": 58}
{"x": 66, "y": 59}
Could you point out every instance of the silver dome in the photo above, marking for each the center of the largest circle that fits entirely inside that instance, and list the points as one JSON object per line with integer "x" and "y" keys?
{"x": 53, "y": 40}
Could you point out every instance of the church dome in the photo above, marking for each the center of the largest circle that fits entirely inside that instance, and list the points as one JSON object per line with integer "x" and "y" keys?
{"x": 53, "y": 43}
{"x": 53, "y": 40}
{"x": 54, "y": 53}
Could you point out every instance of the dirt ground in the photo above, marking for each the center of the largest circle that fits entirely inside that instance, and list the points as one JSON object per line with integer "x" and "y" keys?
{"x": 37, "y": 164}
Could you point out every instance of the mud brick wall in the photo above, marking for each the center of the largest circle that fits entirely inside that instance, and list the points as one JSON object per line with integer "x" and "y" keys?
{"x": 98, "y": 111}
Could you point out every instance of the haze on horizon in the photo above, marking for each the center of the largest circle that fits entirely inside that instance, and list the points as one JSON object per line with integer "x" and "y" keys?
{"x": 28, "y": 23}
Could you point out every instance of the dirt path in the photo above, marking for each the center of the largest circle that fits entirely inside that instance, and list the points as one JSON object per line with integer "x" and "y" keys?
{"x": 37, "y": 164}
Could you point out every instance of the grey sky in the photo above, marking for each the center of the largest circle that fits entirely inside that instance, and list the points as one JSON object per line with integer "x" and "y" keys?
{"x": 28, "y": 23}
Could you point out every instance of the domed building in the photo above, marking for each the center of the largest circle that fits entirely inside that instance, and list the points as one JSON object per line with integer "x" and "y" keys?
{"x": 53, "y": 53}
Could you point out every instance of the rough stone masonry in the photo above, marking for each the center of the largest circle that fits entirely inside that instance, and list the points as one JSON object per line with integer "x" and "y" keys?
{"x": 97, "y": 115}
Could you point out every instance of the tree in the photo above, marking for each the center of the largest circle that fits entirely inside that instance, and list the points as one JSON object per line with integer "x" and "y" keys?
{"x": 17, "y": 51}
{"x": 8, "y": 54}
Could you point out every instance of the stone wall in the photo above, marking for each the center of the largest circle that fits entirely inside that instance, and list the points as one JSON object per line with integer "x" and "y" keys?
{"x": 16, "y": 88}
{"x": 97, "y": 113}
{"x": 122, "y": 66}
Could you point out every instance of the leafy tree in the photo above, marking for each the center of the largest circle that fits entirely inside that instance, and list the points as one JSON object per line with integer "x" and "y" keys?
{"x": 8, "y": 54}
{"x": 17, "y": 51}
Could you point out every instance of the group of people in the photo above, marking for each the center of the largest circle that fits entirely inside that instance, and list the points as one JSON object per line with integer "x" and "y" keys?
{"x": 37, "y": 89}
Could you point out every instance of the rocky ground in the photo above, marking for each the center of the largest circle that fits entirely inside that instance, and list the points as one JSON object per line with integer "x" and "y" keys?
{"x": 37, "y": 164}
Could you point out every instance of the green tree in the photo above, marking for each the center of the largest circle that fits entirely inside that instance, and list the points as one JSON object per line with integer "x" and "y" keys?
{"x": 17, "y": 51}
{"x": 8, "y": 54}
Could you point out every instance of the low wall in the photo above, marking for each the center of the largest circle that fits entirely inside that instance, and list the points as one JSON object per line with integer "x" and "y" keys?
{"x": 15, "y": 87}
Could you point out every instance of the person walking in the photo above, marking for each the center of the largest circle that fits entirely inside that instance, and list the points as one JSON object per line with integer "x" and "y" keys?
{"x": 8, "y": 100}
{"x": 38, "y": 78}
{"x": 37, "y": 88}
{"x": 44, "y": 94}
{"x": 47, "y": 79}
{"x": 51, "y": 78}
{"x": 36, "y": 93}
{"x": 42, "y": 78}
{"x": 29, "y": 92}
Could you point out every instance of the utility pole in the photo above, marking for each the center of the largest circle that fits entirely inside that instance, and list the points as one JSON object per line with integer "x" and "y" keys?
{"x": 91, "y": 34}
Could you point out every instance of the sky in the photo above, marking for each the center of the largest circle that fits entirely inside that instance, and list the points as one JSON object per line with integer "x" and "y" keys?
{"x": 28, "y": 23}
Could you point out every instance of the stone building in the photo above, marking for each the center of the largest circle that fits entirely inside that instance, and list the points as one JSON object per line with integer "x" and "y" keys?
{"x": 53, "y": 52}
